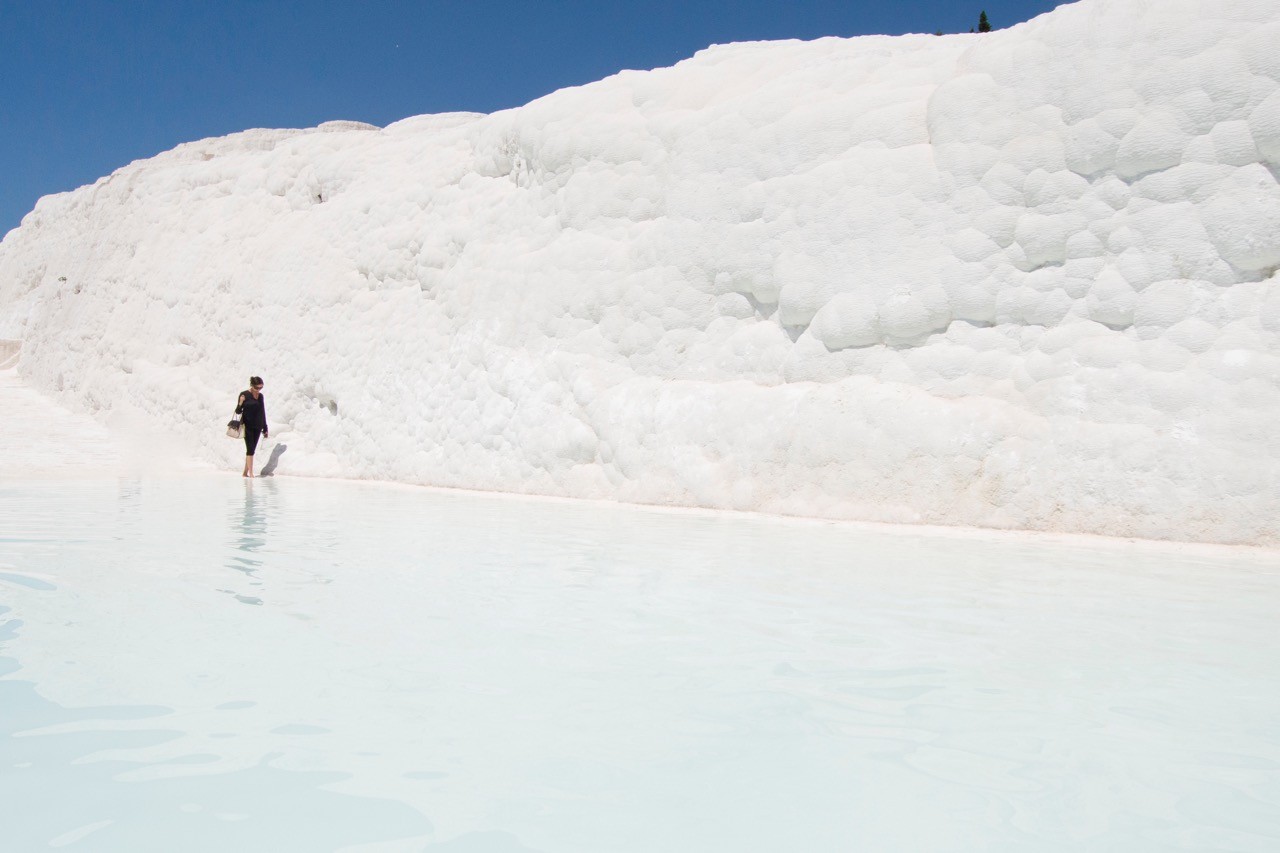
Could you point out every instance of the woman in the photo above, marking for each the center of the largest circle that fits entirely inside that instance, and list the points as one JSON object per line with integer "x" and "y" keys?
{"x": 252, "y": 409}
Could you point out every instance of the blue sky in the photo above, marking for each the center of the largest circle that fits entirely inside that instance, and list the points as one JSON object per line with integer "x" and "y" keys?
{"x": 87, "y": 86}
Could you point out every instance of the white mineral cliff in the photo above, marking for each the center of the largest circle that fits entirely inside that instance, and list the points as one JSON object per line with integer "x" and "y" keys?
{"x": 1025, "y": 279}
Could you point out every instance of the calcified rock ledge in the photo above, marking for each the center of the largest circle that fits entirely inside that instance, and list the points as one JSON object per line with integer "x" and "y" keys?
{"x": 1020, "y": 280}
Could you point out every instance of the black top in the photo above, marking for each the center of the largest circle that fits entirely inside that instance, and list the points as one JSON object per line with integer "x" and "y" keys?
{"x": 253, "y": 413}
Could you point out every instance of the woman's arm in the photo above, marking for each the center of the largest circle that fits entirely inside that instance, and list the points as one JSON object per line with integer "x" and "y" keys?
{"x": 240, "y": 404}
{"x": 264, "y": 416}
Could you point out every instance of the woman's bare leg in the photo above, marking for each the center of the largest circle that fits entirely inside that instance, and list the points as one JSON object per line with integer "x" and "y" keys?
{"x": 248, "y": 463}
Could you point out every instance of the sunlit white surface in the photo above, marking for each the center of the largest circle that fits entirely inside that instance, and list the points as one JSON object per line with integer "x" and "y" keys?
{"x": 205, "y": 663}
{"x": 1022, "y": 279}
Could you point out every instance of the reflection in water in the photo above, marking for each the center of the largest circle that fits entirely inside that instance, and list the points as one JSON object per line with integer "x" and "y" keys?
{"x": 248, "y": 523}
{"x": 128, "y": 508}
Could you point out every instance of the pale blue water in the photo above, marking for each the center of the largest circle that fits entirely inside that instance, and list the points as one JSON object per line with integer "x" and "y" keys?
{"x": 209, "y": 664}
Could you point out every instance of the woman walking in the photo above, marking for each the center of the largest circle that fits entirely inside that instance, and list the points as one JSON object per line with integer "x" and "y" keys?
{"x": 252, "y": 409}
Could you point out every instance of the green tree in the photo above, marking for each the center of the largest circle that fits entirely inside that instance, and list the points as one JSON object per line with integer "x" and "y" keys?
{"x": 984, "y": 26}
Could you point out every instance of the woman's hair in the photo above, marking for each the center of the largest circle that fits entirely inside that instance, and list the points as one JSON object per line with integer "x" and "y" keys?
{"x": 255, "y": 381}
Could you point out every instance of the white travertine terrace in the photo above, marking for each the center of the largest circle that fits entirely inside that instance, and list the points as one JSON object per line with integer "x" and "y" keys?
{"x": 1025, "y": 279}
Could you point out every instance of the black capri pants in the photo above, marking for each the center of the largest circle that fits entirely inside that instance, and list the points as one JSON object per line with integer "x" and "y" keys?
{"x": 251, "y": 437}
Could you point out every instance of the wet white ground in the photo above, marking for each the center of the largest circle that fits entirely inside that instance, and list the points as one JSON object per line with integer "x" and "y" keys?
{"x": 38, "y": 438}
{"x": 197, "y": 662}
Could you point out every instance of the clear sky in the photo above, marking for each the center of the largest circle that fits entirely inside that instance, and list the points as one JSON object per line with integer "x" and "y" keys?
{"x": 87, "y": 86}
